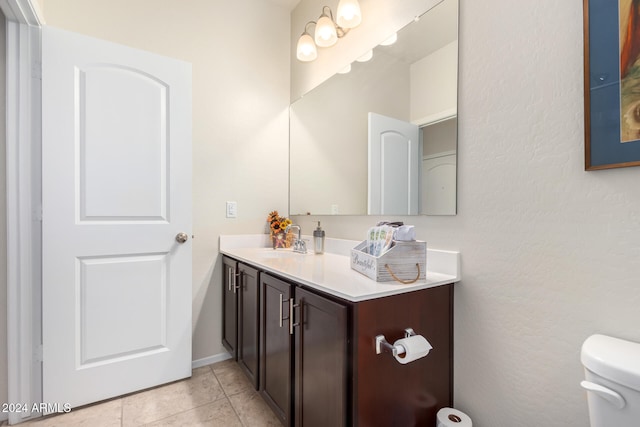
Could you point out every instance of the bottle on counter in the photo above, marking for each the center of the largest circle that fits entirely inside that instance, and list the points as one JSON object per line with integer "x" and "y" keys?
{"x": 318, "y": 240}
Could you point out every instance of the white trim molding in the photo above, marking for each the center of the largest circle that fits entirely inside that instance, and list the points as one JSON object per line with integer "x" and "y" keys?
{"x": 23, "y": 171}
{"x": 436, "y": 118}
{"x": 23, "y": 12}
{"x": 210, "y": 360}
{"x": 438, "y": 155}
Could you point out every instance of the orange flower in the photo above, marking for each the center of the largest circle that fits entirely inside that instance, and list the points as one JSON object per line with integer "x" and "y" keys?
{"x": 277, "y": 223}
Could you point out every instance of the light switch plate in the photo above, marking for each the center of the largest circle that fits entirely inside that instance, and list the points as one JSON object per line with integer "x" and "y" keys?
{"x": 232, "y": 210}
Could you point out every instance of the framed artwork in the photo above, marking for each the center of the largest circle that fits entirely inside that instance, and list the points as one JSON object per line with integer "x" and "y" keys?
{"x": 612, "y": 83}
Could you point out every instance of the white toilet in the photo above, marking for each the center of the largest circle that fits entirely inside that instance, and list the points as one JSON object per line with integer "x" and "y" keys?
{"x": 612, "y": 372}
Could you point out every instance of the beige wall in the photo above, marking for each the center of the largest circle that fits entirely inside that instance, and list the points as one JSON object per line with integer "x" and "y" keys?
{"x": 440, "y": 137}
{"x": 3, "y": 218}
{"x": 549, "y": 251}
{"x": 240, "y": 125}
{"x": 436, "y": 76}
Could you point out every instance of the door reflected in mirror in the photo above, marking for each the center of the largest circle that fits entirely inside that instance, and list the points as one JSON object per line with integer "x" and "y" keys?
{"x": 394, "y": 166}
{"x": 439, "y": 168}
{"x": 412, "y": 81}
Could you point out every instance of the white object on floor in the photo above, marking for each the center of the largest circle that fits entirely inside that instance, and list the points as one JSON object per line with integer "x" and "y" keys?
{"x": 449, "y": 417}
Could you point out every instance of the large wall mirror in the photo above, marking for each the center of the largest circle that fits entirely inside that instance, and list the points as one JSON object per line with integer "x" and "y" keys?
{"x": 382, "y": 138}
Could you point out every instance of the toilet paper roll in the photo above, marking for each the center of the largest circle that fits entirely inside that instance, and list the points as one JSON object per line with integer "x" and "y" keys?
{"x": 415, "y": 347}
{"x": 449, "y": 417}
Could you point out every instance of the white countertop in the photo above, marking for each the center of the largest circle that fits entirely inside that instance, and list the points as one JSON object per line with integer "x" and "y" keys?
{"x": 331, "y": 271}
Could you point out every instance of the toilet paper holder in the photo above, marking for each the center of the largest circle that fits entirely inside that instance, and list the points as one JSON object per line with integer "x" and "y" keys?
{"x": 383, "y": 345}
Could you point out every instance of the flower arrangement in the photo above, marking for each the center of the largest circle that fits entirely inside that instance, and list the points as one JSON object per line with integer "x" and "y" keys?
{"x": 278, "y": 226}
{"x": 277, "y": 223}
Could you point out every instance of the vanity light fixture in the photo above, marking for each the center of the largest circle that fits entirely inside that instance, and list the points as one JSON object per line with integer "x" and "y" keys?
{"x": 306, "y": 50}
{"x": 349, "y": 15}
{"x": 390, "y": 40}
{"x": 345, "y": 70}
{"x": 367, "y": 56}
{"x": 327, "y": 31}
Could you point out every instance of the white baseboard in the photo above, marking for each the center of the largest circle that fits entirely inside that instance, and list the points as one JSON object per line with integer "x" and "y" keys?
{"x": 209, "y": 360}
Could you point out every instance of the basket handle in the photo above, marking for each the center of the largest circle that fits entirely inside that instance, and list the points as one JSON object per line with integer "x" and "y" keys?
{"x": 404, "y": 282}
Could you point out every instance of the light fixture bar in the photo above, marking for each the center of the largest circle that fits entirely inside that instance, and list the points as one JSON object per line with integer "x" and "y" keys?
{"x": 326, "y": 34}
{"x": 390, "y": 40}
{"x": 327, "y": 30}
{"x": 349, "y": 15}
{"x": 306, "y": 49}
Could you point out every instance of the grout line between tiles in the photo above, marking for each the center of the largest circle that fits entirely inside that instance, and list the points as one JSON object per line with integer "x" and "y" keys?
{"x": 235, "y": 411}
{"x": 185, "y": 411}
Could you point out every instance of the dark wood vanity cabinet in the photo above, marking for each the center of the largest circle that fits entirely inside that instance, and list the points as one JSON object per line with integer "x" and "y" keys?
{"x": 276, "y": 346}
{"x": 316, "y": 358}
{"x": 249, "y": 322}
{"x": 230, "y": 307}
{"x": 321, "y": 361}
{"x": 241, "y": 307}
{"x": 304, "y": 344}
{"x": 385, "y": 392}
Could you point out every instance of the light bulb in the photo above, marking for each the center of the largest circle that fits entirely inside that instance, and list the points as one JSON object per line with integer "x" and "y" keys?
{"x": 345, "y": 70}
{"x": 325, "y": 32}
{"x": 306, "y": 50}
{"x": 367, "y": 56}
{"x": 391, "y": 40}
{"x": 349, "y": 15}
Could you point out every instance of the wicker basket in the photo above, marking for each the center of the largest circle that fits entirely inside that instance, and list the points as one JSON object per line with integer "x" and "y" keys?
{"x": 405, "y": 262}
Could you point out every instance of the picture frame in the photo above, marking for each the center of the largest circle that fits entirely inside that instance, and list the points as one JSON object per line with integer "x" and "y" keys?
{"x": 611, "y": 84}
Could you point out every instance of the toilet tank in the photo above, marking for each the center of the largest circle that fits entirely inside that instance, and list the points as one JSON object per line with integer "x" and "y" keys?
{"x": 612, "y": 381}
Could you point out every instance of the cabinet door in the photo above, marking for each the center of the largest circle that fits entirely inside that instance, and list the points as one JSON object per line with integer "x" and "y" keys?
{"x": 389, "y": 393}
{"x": 320, "y": 361}
{"x": 276, "y": 345}
{"x": 248, "y": 321}
{"x": 230, "y": 307}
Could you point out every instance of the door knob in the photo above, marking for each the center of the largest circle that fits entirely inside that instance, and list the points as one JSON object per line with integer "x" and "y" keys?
{"x": 182, "y": 237}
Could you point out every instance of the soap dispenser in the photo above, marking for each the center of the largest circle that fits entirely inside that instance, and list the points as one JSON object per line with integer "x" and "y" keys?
{"x": 318, "y": 240}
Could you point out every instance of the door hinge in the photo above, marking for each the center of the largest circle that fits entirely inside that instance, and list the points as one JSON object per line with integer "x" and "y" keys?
{"x": 38, "y": 353}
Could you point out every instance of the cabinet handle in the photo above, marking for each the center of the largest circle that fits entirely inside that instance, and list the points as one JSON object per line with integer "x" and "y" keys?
{"x": 235, "y": 281}
{"x": 280, "y": 317}
{"x": 606, "y": 393}
{"x": 229, "y": 279}
{"x": 291, "y": 324}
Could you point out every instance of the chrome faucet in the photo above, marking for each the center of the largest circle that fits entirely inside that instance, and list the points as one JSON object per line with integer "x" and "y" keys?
{"x": 299, "y": 245}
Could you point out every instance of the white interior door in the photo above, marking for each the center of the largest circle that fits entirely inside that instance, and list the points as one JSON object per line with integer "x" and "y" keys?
{"x": 116, "y": 168}
{"x": 394, "y": 166}
{"x": 439, "y": 185}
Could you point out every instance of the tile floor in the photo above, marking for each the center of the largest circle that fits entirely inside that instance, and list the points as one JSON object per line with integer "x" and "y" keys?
{"x": 216, "y": 395}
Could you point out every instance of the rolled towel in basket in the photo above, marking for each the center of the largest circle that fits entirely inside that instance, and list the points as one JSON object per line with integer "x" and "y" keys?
{"x": 405, "y": 233}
